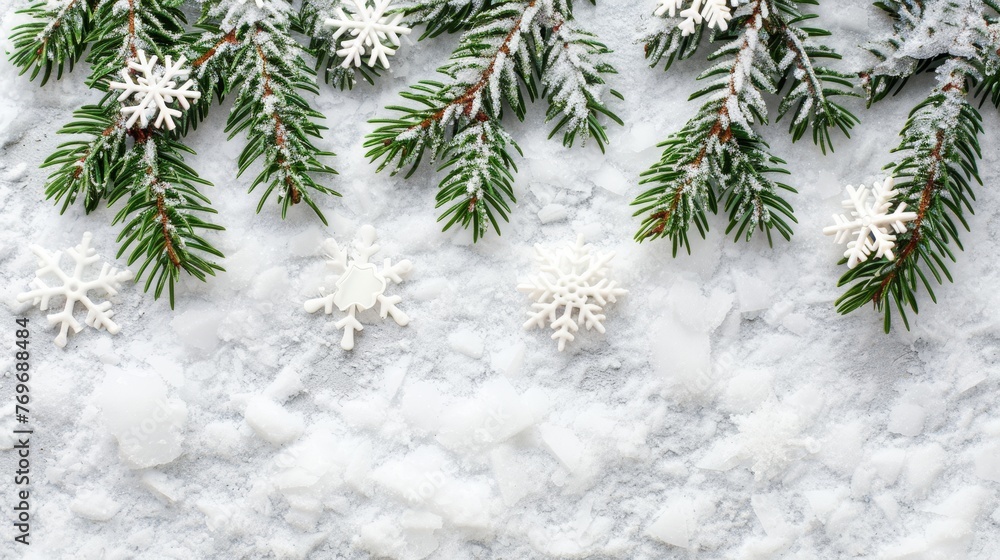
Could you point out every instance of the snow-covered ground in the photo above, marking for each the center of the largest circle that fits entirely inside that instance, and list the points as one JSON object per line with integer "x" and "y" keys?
{"x": 729, "y": 411}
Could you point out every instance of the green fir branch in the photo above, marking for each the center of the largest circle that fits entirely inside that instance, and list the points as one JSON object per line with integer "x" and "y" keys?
{"x": 514, "y": 52}
{"x": 84, "y": 164}
{"x": 940, "y": 149}
{"x": 161, "y": 215}
{"x": 270, "y": 73}
{"x": 443, "y": 16}
{"x": 54, "y": 39}
{"x": 808, "y": 98}
{"x": 718, "y": 156}
{"x": 250, "y": 52}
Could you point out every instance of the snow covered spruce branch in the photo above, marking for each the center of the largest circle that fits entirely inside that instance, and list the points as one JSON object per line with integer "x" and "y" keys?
{"x": 247, "y": 49}
{"x": 939, "y": 151}
{"x": 53, "y": 39}
{"x": 126, "y": 147}
{"x": 513, "y": 49}
{"x": 718, "y": 155}
{"x": 353, "y": 38}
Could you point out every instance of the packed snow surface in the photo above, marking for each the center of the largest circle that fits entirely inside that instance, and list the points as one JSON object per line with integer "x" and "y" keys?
{"x": 728, "y": 411}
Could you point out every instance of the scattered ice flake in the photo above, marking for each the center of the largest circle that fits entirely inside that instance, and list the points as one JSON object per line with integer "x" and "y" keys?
{"x": 298, "y": 547}
{"x": 154, "y": 88}
{"x": 723, "y": 456}
{"x": 889, "y": 506}
{"x": 383, "y": 538}
{"x": 368, "y": 28}
{"x": 426, "y": 479}
{"x": 285, "y": 385}
{"x": 681, "y": 355}
{"x": 422, "y": 404}
{"x": 309, "y": 473}
{"x": 611, "y": 179}
{"x": 15, "y": 173}
{"x": 888, "y": 463}
{"x": 580, "y": 536}
{"x": 693, "y": 309}
{"x": 571, "y": 279}
{"x": 552, "y": 213}
{"x": 965, "y": 503}
{"x": 754, "y": 294}
{"x": 161, "y": 485}
{"x": 563, "y": 444}
{"x": 824, "y": 502}
{"x": 518, "y": 474}
{"x": 360, "y": 284}
{"x": 907, "y": 419}
{"x": 673, "y": 525}
{"x": 74, "y": 287}
{"x": 273, "y": 422}
{"x": 466, "y": 341}
{"x": 746, "y": 391}
{"x": 770, "y": 514}
{"x": 147, "y": 424}
{"x": 94, "y": 506}
{"x": 359, "y": 467}
{"x": 495, "y": 414}
{"x": 923, "y": 465}
{"x": 198, "y": 328}
{"x": 870, "y": 223}
{"x": 970, "y": 381}
{"x": 509, "y": 359}
{"x": 987, "y": 462}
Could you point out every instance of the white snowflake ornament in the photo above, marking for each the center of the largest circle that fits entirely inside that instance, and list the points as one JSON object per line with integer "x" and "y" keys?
{"x": 369, "y": 29}
{"x": 716, "y": 13}
{"x": 571, "y": 279}
{"x": 869, "y": 224}
{"x": 153, "y": 89}
{"x": 74, "y": 288}
{"x": 360, "y": 285}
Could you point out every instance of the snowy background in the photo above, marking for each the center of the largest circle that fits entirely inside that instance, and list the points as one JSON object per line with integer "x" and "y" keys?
{"x": 729, "y": 412}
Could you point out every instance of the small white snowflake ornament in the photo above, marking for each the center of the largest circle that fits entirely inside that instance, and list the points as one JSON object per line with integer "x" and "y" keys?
{"x": 360, "y": 285}
{"x": 153, "y": 89}
{"x": 572, "y": 280}
{"x": 715, "y": 12}
{"x": 869, "y": 223}
{"x": 369, "y": 29}
{"x": 74, "y": 288}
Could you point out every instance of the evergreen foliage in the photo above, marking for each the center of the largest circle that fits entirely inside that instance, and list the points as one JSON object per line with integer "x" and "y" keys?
{"x": 939, "y": 151}
{"x": 768, "y": 48}
{"x": 513, "y": 52}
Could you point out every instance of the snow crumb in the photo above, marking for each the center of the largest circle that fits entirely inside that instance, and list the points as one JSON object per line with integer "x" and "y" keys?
{"x": 95, "y": 506}
{"x": 272, "y": 422}
{"x": 147, "y": 424}
{"x": 552, "y": 213}
{"x": 672, "y": 526}
{"x": 907, "y": 419}
{"x": 563, "y": 444}
{"x": 466, "y": 341}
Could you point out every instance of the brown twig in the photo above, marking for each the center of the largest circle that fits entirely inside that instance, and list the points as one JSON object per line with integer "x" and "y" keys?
{"x": 228, "y": 38}
{"x": 720, "y": 129}
{"x": 465, "y": 100}
{"x": 279, "y": 132}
